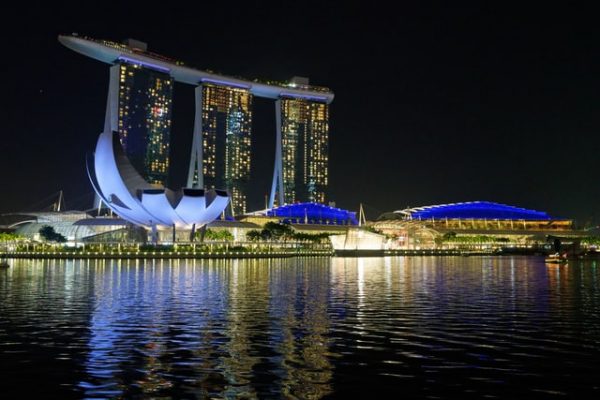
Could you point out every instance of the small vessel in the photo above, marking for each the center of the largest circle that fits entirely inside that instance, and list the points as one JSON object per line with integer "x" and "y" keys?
{"x": 556, "y": 259}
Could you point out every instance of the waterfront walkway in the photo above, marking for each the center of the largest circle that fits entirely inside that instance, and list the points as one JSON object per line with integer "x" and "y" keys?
{"x": 283, "y": 253}
{"x": 162, "y": 254}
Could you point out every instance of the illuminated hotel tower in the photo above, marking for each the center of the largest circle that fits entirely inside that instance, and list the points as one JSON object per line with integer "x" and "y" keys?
{"x": 139, "y": 108}
{"x": 304, "y": 144}
{"x": 144, "y": 119}
{"x": 226, "y": 131}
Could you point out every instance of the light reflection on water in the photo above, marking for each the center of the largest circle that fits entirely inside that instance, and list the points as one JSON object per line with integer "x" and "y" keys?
{"x": 300, "y": 328}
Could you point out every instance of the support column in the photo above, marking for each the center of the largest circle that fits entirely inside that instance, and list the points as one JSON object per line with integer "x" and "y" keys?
{"x": 111, "y": 120}
{"x": 278, "y": 170}
{"x": 193, "y": 233}
{"x": 196, "y": 158}
{"x": 154, "y": 234}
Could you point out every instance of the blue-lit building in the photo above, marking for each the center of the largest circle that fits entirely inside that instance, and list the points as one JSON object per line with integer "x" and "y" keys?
{"x": 478, "y": 210}
{"x": 313, "y": 213}
{"x": 429, "y": 224}
{"x": 307, "y": 217}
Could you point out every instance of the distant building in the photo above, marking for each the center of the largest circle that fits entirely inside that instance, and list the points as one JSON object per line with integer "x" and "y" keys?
{"x": 75, "y": 226}
{"x": 438, "y": 225}
{"x": 306, "y": 217}
{"x": 226, "y": 135}
{"x": 312, "y": 213}
{"x": 81, "y": 227}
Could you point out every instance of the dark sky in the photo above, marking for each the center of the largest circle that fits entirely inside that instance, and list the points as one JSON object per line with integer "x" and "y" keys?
{"x": 433, "y": 104}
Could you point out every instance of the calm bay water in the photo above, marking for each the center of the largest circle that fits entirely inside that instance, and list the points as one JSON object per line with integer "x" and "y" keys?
{"x": 300, "y": 328}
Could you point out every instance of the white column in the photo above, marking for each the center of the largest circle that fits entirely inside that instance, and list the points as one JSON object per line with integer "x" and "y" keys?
{"x": 111, "y": 120}
{"x": 196, "y": 159}
{"x": 278, "y": 170}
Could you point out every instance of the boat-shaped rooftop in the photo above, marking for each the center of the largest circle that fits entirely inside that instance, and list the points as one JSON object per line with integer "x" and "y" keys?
{"x": 112, "y": 52}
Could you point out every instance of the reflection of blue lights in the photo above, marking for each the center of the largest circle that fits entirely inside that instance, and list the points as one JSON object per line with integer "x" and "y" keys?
{"x": 478, "y": 210}
{"x": 144, "y": 63}
{"x": 314, "y": 213}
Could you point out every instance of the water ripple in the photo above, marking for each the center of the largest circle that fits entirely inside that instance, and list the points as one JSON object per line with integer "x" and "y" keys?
{"x": 308, "y": 328}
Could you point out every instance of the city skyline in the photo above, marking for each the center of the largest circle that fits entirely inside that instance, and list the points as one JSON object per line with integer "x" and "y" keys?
{"x": 139, "y": 106}
{"x": 424, "y": 107}
{"x": 300, "y": 200}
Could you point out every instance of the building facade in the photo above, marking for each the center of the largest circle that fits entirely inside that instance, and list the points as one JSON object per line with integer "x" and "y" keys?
{"x": 144, "y": 119}
{"x": 226, "y": 142}
{"x": 305, "y": 147}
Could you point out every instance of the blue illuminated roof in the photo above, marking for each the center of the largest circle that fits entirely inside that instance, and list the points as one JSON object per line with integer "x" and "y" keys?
{"x": 313, "y": 213}
{"x": 475, "y": 210}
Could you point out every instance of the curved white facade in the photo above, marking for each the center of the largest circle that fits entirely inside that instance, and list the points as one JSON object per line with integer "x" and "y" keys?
{"x": 151, "y": 206}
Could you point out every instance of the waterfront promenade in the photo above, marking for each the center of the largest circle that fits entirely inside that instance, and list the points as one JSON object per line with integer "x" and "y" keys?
{"x": 233, "y": 252}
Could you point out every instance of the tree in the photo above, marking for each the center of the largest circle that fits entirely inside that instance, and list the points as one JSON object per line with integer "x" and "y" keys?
{"x": 449, "y": 236}
{"x": 265, "y": 234}
{"x": 10, "y": 237}
{"x": 49, "y": 234}
{"x": 278, "y": 230}
{"x": 253, "y": 235}
{"x": 310, "y": 237}
{"x": 218, "y": 236}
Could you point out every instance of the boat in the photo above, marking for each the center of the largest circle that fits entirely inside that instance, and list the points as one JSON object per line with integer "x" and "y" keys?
{"x": 556, "y": 259}
{"x": 4, "y": 264}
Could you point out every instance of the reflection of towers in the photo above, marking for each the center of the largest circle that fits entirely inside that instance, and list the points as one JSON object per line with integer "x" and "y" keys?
{"x": 305, "y": 332}
{"x": 247, "y": 325}
{"x": 223, "y": 153}
{"x": 144, "y": 118}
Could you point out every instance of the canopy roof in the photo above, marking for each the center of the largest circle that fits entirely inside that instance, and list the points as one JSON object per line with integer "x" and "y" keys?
{"x": 474, "y": 210}
{"x": 314, "y": 213}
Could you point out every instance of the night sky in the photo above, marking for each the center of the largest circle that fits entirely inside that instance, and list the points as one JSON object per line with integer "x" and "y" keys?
{"x": 433, "y": 104}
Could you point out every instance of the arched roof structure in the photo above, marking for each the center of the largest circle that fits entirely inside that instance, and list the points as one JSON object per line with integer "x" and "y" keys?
{"x": 313, "y": 213}
{"x": 470, "y": 210}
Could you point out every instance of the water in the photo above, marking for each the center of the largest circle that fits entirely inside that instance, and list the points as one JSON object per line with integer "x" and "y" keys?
{"x": 424, "y": 327}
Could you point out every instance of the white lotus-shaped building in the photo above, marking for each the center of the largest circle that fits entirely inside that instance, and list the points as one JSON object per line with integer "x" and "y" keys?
{"x": 125, "y": 192}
